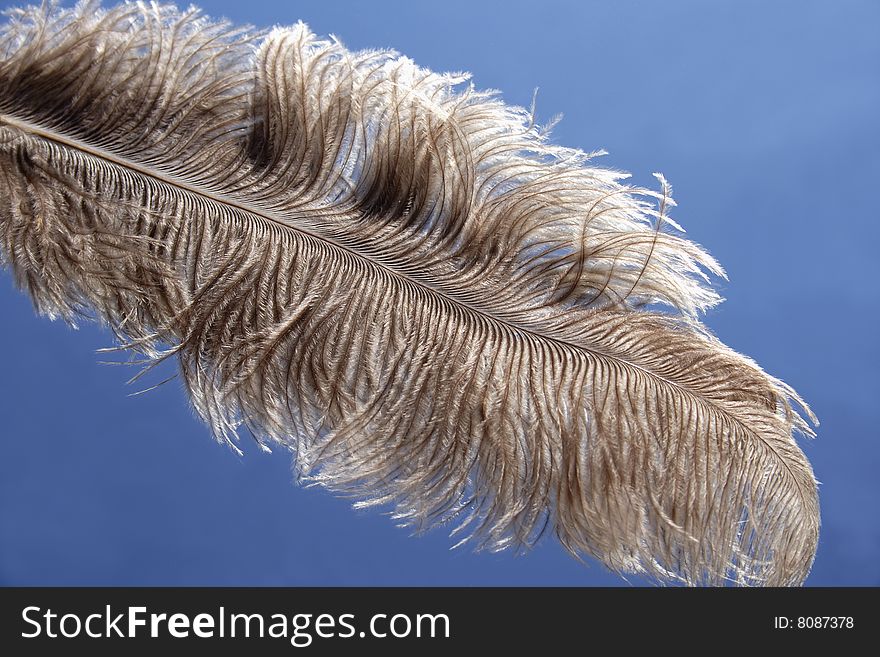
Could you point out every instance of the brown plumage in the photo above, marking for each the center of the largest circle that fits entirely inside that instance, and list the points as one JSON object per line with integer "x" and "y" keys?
{"x": 398, "y": 278}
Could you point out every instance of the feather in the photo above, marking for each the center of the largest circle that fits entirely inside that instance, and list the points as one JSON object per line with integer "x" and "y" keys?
{"x": 401, "y": 280}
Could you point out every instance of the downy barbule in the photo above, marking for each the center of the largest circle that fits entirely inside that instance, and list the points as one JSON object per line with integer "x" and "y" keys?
{"x": 401, "y": 280}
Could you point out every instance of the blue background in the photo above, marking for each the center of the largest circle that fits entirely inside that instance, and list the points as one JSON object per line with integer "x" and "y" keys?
{"x": 763, "y": 116}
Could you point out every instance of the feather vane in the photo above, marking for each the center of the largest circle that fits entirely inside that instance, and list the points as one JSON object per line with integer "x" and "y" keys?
{"x": 400, "y": 279}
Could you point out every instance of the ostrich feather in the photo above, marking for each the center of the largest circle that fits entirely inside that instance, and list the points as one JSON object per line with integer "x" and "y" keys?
{"x": 400, "y": 279}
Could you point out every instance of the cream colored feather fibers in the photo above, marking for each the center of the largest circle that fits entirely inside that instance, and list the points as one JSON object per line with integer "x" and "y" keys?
{"x": 398, "y": 278}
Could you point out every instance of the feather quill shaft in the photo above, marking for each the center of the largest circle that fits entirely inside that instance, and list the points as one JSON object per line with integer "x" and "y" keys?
{"x": 398, "y": 278}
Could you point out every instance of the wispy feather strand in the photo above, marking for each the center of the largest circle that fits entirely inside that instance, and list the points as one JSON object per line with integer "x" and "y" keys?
{"x": 398, "y": 278}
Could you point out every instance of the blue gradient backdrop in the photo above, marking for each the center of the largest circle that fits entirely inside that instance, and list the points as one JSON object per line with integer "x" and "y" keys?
{"x": 764, "y": 118}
